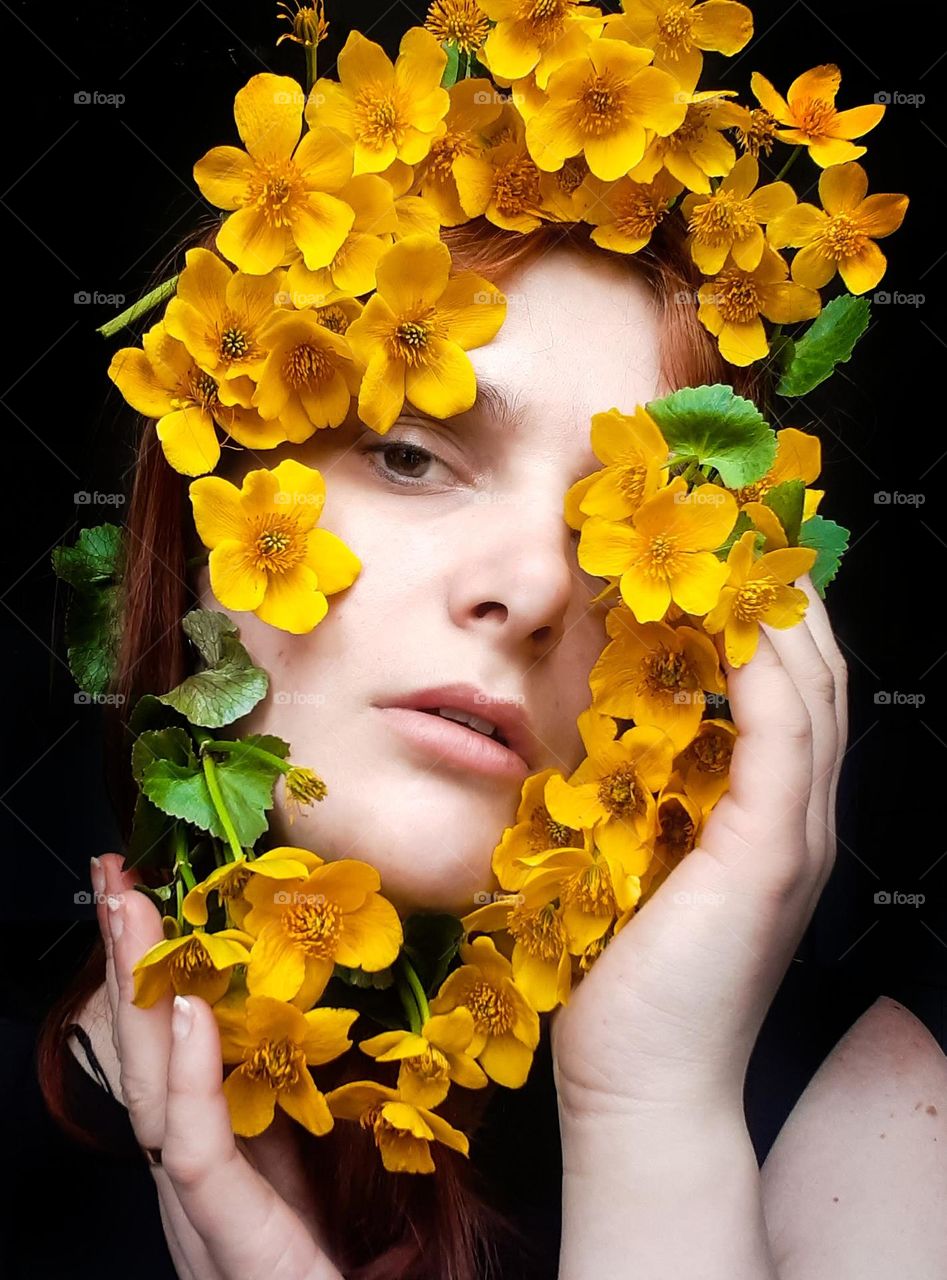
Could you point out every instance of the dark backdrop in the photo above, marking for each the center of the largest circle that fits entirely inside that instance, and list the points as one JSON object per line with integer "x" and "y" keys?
{"x": 95, "y": 192}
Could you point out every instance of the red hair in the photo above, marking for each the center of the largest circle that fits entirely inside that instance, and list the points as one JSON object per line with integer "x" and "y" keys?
{"x": 379, "y": 1226}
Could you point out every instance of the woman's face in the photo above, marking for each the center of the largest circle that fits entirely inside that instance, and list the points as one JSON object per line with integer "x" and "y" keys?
{"x": 469, "y": 575}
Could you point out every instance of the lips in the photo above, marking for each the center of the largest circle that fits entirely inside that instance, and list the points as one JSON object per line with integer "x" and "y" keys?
{"x": 507, "y": 713}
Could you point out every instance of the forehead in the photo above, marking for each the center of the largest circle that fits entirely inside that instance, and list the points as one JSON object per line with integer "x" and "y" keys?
{"x": 581, "y": 335}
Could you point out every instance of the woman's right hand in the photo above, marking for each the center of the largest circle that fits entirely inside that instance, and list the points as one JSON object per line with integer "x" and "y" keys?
{"x": 222, "y": 1218}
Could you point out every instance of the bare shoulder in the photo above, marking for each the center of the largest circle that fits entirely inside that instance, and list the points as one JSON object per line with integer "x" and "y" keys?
{"x": 856, "y": 1181}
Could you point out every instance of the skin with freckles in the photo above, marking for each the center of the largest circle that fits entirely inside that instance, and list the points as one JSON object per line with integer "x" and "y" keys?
{"x": 469, "y": 573}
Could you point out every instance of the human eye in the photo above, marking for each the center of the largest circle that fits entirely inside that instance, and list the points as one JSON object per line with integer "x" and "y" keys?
{"x": 395, "y": 456}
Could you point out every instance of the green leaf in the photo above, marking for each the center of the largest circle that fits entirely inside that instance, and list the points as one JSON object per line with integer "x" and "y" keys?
{"x": 449, "y": 77}
{"x": 92, "y": 566}
{"x": 95, "y": 556}
{"x": 787, "y": 500}
{"x": 741, "y": 525}
{"x": 229, "y": 686}
{"x": 150, "y": 841}
{"x": 828, "y": 341}
{"x": 161, "y": 744}
{"x": 720, "y": 429}
{"x": 431, "y": 940}
{"x": 830, "y": 540}
{"x": 178, "y": 786}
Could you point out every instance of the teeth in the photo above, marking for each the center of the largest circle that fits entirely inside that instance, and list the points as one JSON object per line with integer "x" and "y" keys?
{"x": 486, "y": 727}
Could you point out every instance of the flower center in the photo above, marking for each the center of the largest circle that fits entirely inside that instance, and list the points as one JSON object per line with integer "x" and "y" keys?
{"x": 602, "y": 103}
{"x": 711, "y": 751}
{"x": 760, "y": 132}
{"x": 200, "y": 390}
{"x": 274, "y": 1062}
{"x": 462, "y": 22}
{"x": 429, "y": 1065}
{"x": 573, "y": 173}
{"x": 667, "y": 672}
{"x": 516, "y": 186}
{"x": 675, "y": 30}
{"x": 546, "y": 833}
{"x": 412, "y": 336}
{"x": 540, "y": 931}
{"x": 278, "y": 545}
{"x": 233, "y": 885}
{"x": 752, "y": 492}
{"x": 841, "y": 237}
{"x": 273, "y": 189}
{"x": 737, "y": 297}
{"x": 376, "y": 118}
{"x": 235, "y": 343}
{"x": 305, "y": 365}
{"x": 660, "y": 556}
{"x": 444, "y": 151}
{"x": 332, "y": 317}
{"x": 315, "y": 926}
{"x": 590, "y": 891}
{"x": 620, "y": 792}
{"x": 721, "y": 219}
{"x": 546, "y": 17}
{"x": 491, "y": 1009}
{"x": 639, "y": 211}
{"x": 191, "y": 960}
{"x": 754, "y": 598}
{"x": 813, "y": 116}
{"x": 692, "y": 129}
{"x": 675, "y": 827}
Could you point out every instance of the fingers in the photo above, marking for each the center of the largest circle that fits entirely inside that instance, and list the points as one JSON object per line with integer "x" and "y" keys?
{"x": 760, "y": 821}
{"x": 246, "y": 1227}
{"x": 142, "y": 1036}
{"x": 815, "y": 682}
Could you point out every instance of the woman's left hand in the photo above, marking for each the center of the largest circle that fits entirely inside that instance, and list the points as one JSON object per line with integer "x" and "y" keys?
{"x": 670, "y": 1011}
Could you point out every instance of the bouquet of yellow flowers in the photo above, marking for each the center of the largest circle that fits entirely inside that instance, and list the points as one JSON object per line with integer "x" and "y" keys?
{"x": 331, "y": 284}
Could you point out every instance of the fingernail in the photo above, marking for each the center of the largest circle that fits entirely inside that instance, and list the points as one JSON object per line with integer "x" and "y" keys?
{"x": 97, "y": 872}
{"x": 182, "y": 1017}
{"x": 116, "y": 917}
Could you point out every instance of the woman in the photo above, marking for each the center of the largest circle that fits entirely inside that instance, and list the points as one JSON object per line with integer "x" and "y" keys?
{"x": 470, "y": 575}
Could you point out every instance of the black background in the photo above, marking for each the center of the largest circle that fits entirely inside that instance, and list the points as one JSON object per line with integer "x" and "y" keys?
{"x": 94, "y": 195}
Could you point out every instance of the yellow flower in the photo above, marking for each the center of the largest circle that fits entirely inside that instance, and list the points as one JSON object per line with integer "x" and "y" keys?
{"x": 309, "y": 26}
{"x": 474, "y": 106}
{"x": 610, "y": 793}
{"x": 308, "y": 378}
{"x": 732, "y": 303}
{"x": 501, "y": 181}
{"x": 812, "y": 121}
{"x": 281, "y": 192}
{"x": 696, "y": 150}
{"x": 535, "y": 831}
{"x": 841, "y": 235}
{"x": 387, "y": 111}
{"x": 678, "y": 31}
{"x": 655, "y": 674}
{"x": 352, "y": 270}
{"x": 540, "y": 962}
{"x": 275, "y": 1044}
{"x": 402, "y": 1132}
{"x": 666, "y": 551}
{"x": 431, "y": 1059}
{"x": 755, "y": 128}
{"x": 415, "y": 329}
{"x": 266, "y": 554}
{"x": 164, "y": 381}
{"x": 506, "y": 1027}
{"x": 798, "y": 457}
{"x": 679, "y": 825}
{"x": 459, "y": 22}
{"x": 536, "y": 36}
{"x": 702, "y": 769}
{"x": 228, "y": 881}
{"x": 635, "y": 455}
{"x": 731, "y": 219}
{"x": 625, "y": 213}
{"x": 602, "y": 103}
{"x": 304, "y": 928}
{"x": 757, "y": 591}
{"x": 196, "y": 963}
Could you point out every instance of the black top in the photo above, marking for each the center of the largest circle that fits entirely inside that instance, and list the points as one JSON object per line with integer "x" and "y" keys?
{"x": 72, "y": 1212}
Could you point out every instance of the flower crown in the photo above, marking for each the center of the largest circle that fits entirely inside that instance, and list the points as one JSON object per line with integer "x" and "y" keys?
{"x": 332, "y": 282}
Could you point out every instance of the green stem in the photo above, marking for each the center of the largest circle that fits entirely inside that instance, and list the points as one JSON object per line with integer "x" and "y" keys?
{"x": 241, "y": 748}
{"x": 310, "y": 66}
{"x": 414, "y": 982}
{"x": 786, "y": 167}
{"x": 216, "y": 795}
{"x": 131, "y": 314}
{"x": 410, "y": 1006}
{"x": 182, "y": 862}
